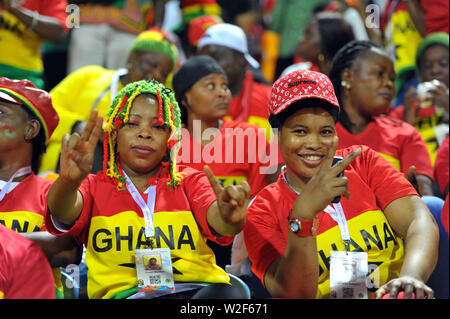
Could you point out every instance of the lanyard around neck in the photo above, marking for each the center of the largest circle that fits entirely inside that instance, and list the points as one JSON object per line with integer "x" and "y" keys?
{"x": 334, "y": 210}
{"x": 19, "y": 173}
{"x": 148, "y": 208}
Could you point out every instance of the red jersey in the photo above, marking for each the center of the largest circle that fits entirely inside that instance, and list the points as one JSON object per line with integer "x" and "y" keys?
{"x": 441, "y": 166}
{"x": 51, "y": 8}
{"x": 251, "y": 103}
{"x": 24, "y": 208}
{"x": 431, "y": 125}
{"x": 373, "y": 184}
{"x": 436, "y": 15}
{"x": 112, "y": 226}
{"x": 239, "y": 151}
{"x": 24, "y": 270}
{"x": 397, "y": 141}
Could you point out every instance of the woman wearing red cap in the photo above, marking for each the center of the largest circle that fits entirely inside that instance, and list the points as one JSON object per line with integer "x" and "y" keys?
{"x": 314, "y": 234}
{"x": 27, "y": 119}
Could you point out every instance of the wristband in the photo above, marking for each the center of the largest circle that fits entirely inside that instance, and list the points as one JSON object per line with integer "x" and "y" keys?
{"x": 303, "y": 228}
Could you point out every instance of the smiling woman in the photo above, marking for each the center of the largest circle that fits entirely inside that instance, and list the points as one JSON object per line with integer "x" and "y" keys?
{"x": 142, "y": 191}
{"x": 235, "y": 151}
{"x": 295, "y": 226}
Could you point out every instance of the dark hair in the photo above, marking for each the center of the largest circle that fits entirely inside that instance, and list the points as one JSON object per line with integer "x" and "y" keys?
{"x": 277, "y": 121}
{"x": 38, "y": 143}
{"x": 334, "y": 31}
{"x": 194, "y": 69}
{"x": 344, "y": 59}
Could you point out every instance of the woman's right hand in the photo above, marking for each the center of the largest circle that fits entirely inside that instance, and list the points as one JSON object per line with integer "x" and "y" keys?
{"x": 77, "y": 152}
{"x": 324, "y": 186}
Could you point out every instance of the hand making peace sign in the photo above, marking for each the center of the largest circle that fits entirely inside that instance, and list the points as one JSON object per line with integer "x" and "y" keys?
{"x": 324, "y": 186}
{"x": 77, "y": 152}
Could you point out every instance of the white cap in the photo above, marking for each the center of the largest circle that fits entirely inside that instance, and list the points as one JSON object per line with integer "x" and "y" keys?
{"x": 230, "y": 36}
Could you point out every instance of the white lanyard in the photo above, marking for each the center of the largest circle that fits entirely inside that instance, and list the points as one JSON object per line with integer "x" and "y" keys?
{"x": 336, "y": 212}
{"x": 20, "y": 172}
{"x": 147, "y": 208}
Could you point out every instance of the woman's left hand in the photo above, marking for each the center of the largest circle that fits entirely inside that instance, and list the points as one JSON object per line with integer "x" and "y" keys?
{"x": 408, "y": 285}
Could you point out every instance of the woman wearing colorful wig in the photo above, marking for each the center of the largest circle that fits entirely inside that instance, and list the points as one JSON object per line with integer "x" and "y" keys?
{"x": 103, "y": 210}
{"x": 294, "y": 225}
{"x": 153, "y": 55}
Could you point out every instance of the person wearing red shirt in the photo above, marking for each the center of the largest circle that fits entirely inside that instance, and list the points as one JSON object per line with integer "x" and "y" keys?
{"x": 363, "y": 79}
{"x": 142, "y": 197}
{"x": 426, "y": 108}
{"x": 227, "y": 44}
{"x": 436, "y": 15}
{"x": 24, "y": 271}
{"x": 233, "y": 150}
{"x": 27, "y": 120}
{"x": 25, "y": 27}
{"x": 238, "y": 150}
{"x": 294, "y": 224}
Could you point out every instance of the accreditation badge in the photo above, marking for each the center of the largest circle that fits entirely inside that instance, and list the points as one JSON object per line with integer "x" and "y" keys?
{"x": 154, "y": 269}
{"x": 348, "y": 271}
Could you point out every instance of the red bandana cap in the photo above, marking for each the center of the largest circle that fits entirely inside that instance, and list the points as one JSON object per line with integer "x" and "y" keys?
{"x": 298, "y": 85}
{"x": 38, "y": 101}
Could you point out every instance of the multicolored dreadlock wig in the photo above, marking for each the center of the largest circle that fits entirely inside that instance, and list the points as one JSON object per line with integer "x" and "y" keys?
{"x": 168, "y": 115}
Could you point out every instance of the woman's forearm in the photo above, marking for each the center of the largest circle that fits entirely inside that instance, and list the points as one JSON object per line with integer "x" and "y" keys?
{"x": 47, "y": 28}
{"x": 421, "y": 249}
{"x": 296, "y": 273}
{"x": 64, "y": 201}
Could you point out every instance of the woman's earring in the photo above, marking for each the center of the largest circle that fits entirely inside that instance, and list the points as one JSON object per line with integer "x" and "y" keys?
{"x": 321, "y": 57}
{"x": 345, "y": 84}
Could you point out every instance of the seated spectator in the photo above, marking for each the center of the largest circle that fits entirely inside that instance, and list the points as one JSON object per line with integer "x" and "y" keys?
{"x": 439, "y": 280}
{"x": 427, "y": 110}
{"x": 190, "y": 10}
{"x": 294, "y": 224}
{"x": 25, "y": 272}
{"x": 27, "y": 120}
{"x": 227, "y": 44}
{"x": 152, "y": 56}
{"x": 325, "y": 34}
{"x": 234, "y": 151}
{"x": 201, "y": 89}
{"x": 24, "y": 26}
{"x": 143, "y": 198}
{"x": 363, "y": 78}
